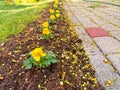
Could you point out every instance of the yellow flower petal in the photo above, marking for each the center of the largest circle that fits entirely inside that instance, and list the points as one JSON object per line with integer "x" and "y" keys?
{"x": 37, "y": 58}
{"x": 52, "y": 17}
{"x": 43, "y": 54}
{"x": 51, "y": 11}
{"x": 46, "y": 24}
{"x": 46, "y": 31}
{"x": 56, "y": 1}
{"x": 57, "y": 11}
{"x": 37, "y": 53}
{"x": 57, "y": 15}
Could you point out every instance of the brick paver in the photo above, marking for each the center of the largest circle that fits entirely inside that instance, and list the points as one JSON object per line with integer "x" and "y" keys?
{"x": 99, "y": 49}
{"x": 97, "y": 32}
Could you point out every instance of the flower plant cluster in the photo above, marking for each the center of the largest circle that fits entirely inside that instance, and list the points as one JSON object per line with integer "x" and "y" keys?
{"x": 47, "y": 26}
{"x": 38, "y": 57}
{"x": 55, "y": 12}
{"x": 46, "y": 31}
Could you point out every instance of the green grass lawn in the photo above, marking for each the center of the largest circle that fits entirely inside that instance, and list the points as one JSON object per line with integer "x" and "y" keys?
{"x": 14, "y": 18}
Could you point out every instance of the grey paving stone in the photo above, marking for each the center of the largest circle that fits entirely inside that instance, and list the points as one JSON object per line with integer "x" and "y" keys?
{"x": 116, "y": 34}
{"x": 115, "y": 22}
{"x": 88, "y": 24}
{"x": 82, "y": 19}
{"x": 73, "y": 18}
{"x": 100, "y": 22}
{"x": 79, "y": 15}
{"x": 111, "y": 19}
{"x": 108, "y": 45}
{"x": 75, "y": 10}
{"x": 113, "y": 14}
{"x": 71, "y": 15}
{"x": 86, "y": 21}
{"x": 80, "y": 29}
{"x": 65, "y": 6}
{"x": 98, "y": 13}
{"x": 105, "y": 72}
{"x": 115, "y": 59}
{"x": 91, "y": 48}
{"x": 89, "y": 14}
{"x": 94, "y": 17}
{"x": 110, "y": 27}
{"x": 113, "y": 9}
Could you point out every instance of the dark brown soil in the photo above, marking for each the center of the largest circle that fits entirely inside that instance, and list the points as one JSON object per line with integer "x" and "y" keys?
{"x": 70, "y": 72}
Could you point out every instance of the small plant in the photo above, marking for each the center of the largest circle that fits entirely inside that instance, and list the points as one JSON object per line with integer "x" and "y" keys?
{"x": 46, "y": 31}
{"x": 55, "y": 14}
{"x": 39, "y": 58}
{"x": 58, "y": 15}
{"x": 47, "y": 34}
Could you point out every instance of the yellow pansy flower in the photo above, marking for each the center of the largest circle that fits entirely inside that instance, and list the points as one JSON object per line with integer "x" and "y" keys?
{"x": 37, "y": 53}
{"x": 45, "y": 24}
{"x": 57, "y": 15}
{"x": 51, "y": 11}
{"x": 57, "y": 11}
{"x": 46, "y": 31}
{"x": 52, "y": 17}
{"x": 56, "y": 1}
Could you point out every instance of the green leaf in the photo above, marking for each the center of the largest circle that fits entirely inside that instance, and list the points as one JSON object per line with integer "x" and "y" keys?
{"x": 53, "y": 60}
{"x": 40, "y": 65}
{"x": 50, "y": 27}
{"x": 29, "y": 66}
{"x": 46, "y": 63}
{"x": 51, "y": 54}
{"x": 51, "y": 57}
{"x": 31, "y": 59}
{"x": 28, "y": 63}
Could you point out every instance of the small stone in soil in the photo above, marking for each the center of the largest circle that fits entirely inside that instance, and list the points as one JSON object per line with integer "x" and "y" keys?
{"x": 1, "y": 77}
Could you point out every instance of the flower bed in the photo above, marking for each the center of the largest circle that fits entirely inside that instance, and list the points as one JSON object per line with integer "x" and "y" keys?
{"x": 72, "y": 71}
